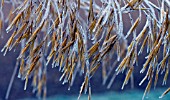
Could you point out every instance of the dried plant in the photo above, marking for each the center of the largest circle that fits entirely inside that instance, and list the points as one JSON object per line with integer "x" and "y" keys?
{"x": 82, "y": 36}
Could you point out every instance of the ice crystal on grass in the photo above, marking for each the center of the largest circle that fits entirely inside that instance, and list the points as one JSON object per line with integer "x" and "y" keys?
{"x": 82, "y": 36}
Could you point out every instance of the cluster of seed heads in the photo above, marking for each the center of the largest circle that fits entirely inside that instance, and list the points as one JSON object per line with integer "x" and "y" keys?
{"x": 79, "y": 36}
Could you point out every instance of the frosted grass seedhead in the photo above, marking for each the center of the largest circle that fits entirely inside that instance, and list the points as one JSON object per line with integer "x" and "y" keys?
{"x": 83, "y": 35}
